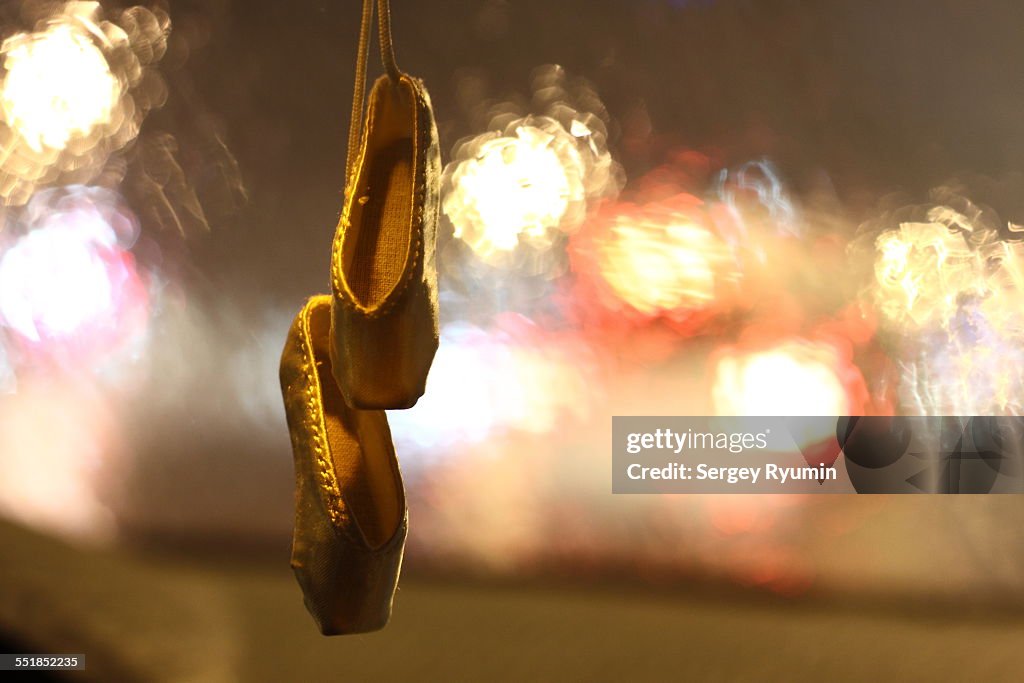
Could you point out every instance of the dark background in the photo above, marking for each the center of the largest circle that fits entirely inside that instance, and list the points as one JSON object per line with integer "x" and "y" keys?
{"x": 876, "y": 97}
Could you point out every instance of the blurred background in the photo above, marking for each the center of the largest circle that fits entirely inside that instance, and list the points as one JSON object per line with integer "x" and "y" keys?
{"x": 676, "y": 207}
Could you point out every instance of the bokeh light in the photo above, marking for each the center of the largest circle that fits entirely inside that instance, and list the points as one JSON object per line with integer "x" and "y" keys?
{"x": 488, "y": 384}
{"x": 70, "y": 283}
{"x": 921, "y": 271}
{"x": 950, "y": 291}
{"x": 664, "y": 259}
{"x": 973, "y": 369}
{"x": 58, "y": 85}
{"x": 661, "y": 260}
{"x": 518, "y": 186}
{"x": 531, "y": 177}
{"x": 74, "y": 90}
{"x": 511, "y": 432}
{"x": 793, "y": 377}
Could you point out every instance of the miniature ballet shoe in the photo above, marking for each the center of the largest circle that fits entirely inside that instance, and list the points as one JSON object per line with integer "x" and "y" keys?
{"x": 384, "y": 329}
{"x": 351, "y": 518}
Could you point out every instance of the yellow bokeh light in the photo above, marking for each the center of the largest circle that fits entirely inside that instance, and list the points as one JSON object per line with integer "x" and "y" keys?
{"x": 920, "y": 270}
{"x": 58, "y": 86}
{"x": 516, "y": 187}
{"x": 953, "y": 287}
{"x": 657, "y": 267}
{"x": 73, "y": 91}
{"x": 792, "y": 378}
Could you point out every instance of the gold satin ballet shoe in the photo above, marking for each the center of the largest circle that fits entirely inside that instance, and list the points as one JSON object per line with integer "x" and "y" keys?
{"x": 384, "y": 329}
{"x": 351, "y": 517}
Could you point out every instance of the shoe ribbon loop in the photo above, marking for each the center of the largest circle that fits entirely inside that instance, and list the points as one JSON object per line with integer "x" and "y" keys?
{"x": 387, "y": 55}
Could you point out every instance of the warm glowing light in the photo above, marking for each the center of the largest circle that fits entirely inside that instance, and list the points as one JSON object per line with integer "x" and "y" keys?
{"x": 73, "y": 91}
{"x": 530, "y": 178}
{"x": 921, "y": 269}
{"x": 975, "y": 367}
{"x": 951, "y": 290}
{"x": 529, "y": 183}
{"x": 56, "y": 449}
{"x": 58, "y": 85}
{"x": 793, "y": 378}
{"x": 656, "y": 268}
{"x": 658, "y": 259}
{"x": 516, "y": 187}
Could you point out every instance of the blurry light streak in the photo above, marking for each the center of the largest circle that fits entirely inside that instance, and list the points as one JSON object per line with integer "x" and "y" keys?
{"x": 975, "y": 369}
{"x": 162, "y": 191}
{"x": 754, "y": 213}
{"x": 485, "y": 384}
{"x": 761, "y": 180}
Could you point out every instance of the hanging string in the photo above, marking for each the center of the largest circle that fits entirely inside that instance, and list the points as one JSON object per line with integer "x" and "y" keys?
{"x": 387, "y": 50}
{"x": 387, "y": 56}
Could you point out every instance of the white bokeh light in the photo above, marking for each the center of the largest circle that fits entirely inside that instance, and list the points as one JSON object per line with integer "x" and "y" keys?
{"x": 58, "y": 86}
{"x": 792, "y": 378}
{"x": 54, "y": 280}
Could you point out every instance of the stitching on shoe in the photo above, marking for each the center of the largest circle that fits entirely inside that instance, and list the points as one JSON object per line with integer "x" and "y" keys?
{"x": 340, "y": 286}
{"x": 423, "y": 142}
{"x": 328, "y": 484}
{"x": 327, "y": 481}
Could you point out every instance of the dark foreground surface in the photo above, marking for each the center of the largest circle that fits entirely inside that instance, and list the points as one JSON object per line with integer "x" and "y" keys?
{"x": 142, "y": 619}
